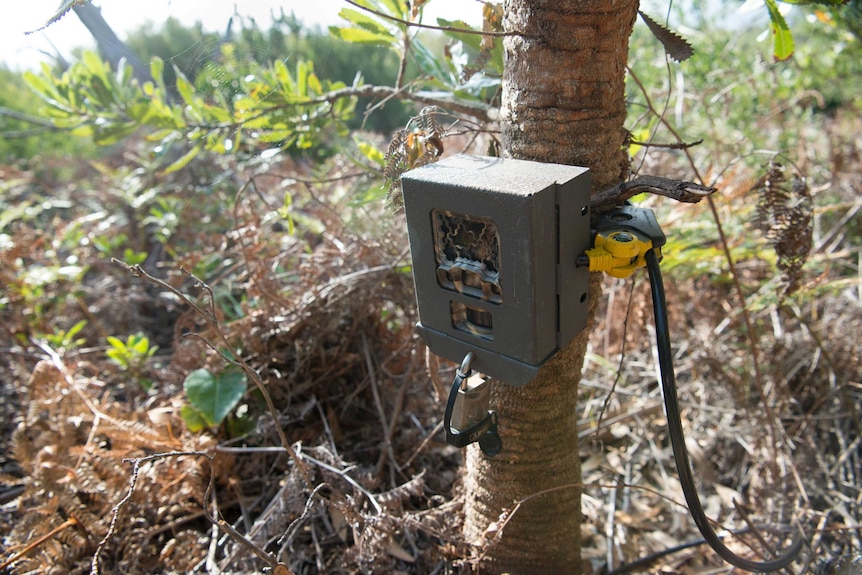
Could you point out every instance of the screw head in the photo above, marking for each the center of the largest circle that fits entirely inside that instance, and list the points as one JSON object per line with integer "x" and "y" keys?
{"x": 623, "y": 237}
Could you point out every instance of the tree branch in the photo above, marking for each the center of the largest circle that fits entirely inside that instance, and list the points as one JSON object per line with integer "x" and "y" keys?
{"x": 24, "y": 117}
{"x": 478, "y": 110}
{"x": 678, "y": 190}
{"x": 427, "y": 26}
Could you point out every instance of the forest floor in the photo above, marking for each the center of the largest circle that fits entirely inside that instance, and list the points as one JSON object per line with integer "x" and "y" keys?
{"x": 348, "y": 471}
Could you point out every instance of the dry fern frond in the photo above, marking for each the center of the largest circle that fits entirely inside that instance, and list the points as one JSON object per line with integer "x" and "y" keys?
{"x": 418, "y": 144}
{"x": 784, "y": 215}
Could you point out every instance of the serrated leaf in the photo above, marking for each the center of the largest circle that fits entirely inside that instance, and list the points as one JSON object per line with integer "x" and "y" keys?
{"x": 782, "y": 39}
{"x": 214, "y": 396}
{"x": 675, "y": 45}
{"x": 65, "y": 6}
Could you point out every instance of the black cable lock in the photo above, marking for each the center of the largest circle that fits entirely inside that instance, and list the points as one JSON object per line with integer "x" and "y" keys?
{"x": 625, "y": 239}
{"x": 677, "y": 437}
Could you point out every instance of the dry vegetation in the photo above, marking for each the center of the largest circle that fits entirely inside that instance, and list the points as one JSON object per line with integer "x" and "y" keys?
{"x": 99, "y": 474}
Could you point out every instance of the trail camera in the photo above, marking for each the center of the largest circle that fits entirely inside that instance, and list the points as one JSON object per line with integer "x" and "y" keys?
{"x": 494, "y": 243}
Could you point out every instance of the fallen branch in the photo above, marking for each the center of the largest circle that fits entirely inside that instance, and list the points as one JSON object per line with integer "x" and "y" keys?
{"x": 688, "y": 192}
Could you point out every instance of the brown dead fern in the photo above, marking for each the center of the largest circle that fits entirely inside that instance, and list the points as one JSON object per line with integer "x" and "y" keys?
{"x": 418, "y": 144}
{"x": 784, "y": 215}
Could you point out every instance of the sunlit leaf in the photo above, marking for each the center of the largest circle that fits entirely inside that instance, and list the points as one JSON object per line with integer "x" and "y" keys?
{"x": 371, "y": 152}
{"x": 361, "y": 36}
{"x": 193, "y": 419}
{"x": 364, "y": 20}
{"x": 185, "y": 88}
{"x": 781, "y": 37}
{"x": 113, "y": 133}
{"x": 184, "y": 160}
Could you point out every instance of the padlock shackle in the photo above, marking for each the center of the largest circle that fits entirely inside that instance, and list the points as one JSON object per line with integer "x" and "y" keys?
{"x": 475, "y": 433}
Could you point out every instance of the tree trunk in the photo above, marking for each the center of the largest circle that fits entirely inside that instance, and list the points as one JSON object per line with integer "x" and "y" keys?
{"x": 110, "y": 46}
{"x": 563, "y": 102}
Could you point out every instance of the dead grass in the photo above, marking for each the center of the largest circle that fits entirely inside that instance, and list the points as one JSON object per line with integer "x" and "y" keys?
{"x": 325, "y": 317}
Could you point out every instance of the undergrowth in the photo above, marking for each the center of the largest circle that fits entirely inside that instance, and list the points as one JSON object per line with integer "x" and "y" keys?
{"x": 333, "y": 461}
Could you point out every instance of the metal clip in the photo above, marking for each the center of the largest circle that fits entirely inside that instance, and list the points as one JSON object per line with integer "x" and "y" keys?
{"x": 468, "y": 419}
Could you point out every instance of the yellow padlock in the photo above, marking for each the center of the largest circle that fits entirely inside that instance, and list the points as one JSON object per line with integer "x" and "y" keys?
{"x": 619, "y": 253}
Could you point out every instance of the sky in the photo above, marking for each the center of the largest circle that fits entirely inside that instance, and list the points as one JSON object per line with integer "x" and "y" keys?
{"x": 19, "y": 50}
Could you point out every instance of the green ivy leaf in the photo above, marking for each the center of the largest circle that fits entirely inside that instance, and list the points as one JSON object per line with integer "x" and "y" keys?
{"x": 214, "y": 396}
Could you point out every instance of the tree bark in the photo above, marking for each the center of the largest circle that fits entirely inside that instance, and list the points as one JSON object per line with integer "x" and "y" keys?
{"x": 110, "y": 46}
{"x": 563, "y": 102}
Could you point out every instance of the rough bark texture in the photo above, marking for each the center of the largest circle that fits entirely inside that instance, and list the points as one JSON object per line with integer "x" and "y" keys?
{"x": 563, "y": 102}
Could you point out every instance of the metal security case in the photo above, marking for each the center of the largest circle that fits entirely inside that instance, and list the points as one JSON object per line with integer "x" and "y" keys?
{"x": 494, "y": 243}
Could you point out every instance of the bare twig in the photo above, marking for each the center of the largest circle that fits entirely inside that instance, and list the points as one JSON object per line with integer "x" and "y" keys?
{"x": 95, "y": 566}
{"x": 671, "y": 146}
{"x": 475, "y": 109}
{"x": 737, "y": 286}
{"x": 388, "y": 426}
{"x": 238, "y": 537}
{"x": 428, "y": 26}
{"x": 210, "y": 317}
{"x": 681, "y": 191}
{"x": 622, "y": 358}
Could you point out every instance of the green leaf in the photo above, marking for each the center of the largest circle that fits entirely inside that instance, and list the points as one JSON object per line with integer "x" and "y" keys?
{"x": 185, "y": 88}
{"x": 193, "y": 418}
{"x": 157, "y": 68}
{"x": 361, "y": 36}
{"x": 364, "y": 20}
{"x": 183, "y": 161}
{"x": 474, "y": 41}
{"x": 781, "y": 36}
{"x": 139, "y": 344}
{"x": 113, "y": 133}
{"x": 214, "y": 396}
{"x": 73, "y": 331}
{"x": 371, "y": 152}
